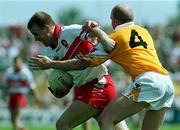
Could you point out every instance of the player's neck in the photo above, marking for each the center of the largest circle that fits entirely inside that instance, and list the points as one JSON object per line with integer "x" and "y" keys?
{"x": 56, "y": 33}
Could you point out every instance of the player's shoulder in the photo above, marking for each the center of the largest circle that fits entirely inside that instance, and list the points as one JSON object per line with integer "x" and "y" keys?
{"x": 138, "y": 30}
{"x": 127, "y": 30}
{"x": 140, "y": 27}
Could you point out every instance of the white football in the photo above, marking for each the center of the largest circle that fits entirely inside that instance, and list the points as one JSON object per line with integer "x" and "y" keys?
{"x": 59, "y": 80}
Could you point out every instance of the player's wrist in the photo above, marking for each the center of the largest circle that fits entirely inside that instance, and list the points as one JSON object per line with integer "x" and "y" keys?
{"x": 52, "y": 64}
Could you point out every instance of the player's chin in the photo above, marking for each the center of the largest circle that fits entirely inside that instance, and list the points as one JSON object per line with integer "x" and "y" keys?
{"x": 61, "y": 93}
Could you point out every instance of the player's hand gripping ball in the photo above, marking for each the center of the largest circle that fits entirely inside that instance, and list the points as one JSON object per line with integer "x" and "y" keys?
{"x": 60, "y": 83}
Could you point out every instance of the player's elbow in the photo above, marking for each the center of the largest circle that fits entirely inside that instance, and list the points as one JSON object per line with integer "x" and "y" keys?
{"x": 108, "y": 45}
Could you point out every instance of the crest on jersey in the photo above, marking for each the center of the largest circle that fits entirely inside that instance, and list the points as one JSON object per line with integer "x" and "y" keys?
{"x": 64, "y": 43}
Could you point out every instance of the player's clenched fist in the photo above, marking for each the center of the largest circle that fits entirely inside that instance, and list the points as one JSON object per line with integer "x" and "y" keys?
{"x": 89, "y": 25}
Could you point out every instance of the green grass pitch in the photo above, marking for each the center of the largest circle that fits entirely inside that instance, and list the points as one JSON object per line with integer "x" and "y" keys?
{"x": 93, "y": 127}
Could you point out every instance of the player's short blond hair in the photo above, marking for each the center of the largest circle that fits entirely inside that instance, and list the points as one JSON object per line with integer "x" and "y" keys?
{"x": 41, "y": 19}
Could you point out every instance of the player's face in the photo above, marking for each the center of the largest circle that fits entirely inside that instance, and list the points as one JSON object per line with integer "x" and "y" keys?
{"x": 42, "y": 35}
{"x": 17, "y": 63}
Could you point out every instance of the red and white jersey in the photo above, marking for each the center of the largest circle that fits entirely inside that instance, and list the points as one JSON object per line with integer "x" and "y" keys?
{"x": 69, "y": 47}
{"x": 19, "y": 81}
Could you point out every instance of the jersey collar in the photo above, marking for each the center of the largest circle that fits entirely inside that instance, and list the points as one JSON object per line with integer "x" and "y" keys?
{"x": 124, "y": 25}
{"x": 56, "y": 34}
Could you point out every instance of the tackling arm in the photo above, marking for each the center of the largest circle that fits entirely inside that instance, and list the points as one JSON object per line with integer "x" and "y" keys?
{"x": 93, "y": 28}
{"x": 72, "y": 64}
{"x": 107, "y": 43}
{"x": 40, "y": 62}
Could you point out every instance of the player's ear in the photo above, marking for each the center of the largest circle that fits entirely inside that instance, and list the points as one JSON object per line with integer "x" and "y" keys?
{"x": 48, "y": 28}
{"x": 117, "y": 22}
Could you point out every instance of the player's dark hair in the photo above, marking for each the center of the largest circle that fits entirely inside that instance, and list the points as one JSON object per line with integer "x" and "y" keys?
{"x": 41, "y": 19}
{"x": 122, "y": 13}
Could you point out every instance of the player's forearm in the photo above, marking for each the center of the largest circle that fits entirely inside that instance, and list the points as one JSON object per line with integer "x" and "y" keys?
{"x": 72, "y": 64}
{"x": 107, "y": 43}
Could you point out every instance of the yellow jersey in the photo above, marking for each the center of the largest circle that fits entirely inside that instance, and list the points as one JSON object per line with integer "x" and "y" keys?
{"x": 134, "y": 51}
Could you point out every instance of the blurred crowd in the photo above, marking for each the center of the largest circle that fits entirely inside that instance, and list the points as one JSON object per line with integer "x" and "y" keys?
{"x": 16, "y": 40}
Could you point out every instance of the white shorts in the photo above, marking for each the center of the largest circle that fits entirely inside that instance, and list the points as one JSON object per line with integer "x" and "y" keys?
{"x": 153, "y": 88}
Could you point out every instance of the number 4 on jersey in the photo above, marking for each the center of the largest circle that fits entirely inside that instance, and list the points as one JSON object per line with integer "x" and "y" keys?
{"x": 133, "y": 43}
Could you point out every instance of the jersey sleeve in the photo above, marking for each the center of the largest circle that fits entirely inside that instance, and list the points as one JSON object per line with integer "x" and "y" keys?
{"x": 97, "y": 56}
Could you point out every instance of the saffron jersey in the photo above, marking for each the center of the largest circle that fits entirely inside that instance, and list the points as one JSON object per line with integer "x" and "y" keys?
{"x": 134, "y": 51}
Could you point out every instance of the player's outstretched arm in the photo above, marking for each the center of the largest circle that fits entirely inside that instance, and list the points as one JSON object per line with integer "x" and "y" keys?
{"x": 93, "y": 28}
{"x": 41, "y": 62}
{"x": 107, "y": 43}
{"x": 72, "y": 64}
